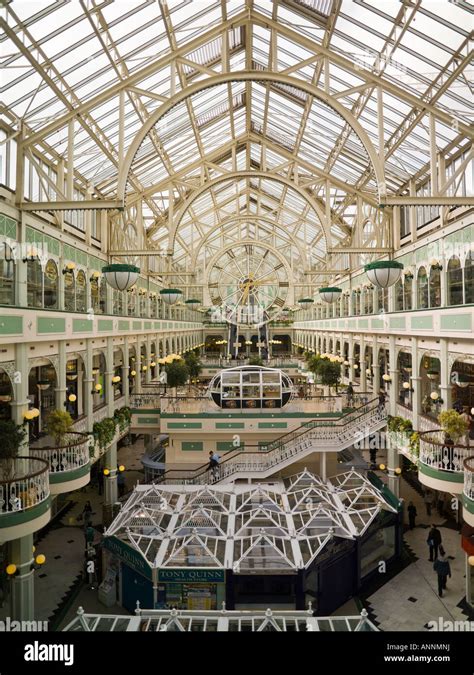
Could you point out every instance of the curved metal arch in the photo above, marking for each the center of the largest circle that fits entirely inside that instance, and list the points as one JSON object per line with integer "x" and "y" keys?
{"x": 250, "y": 218}
{"x": 233, "y": 175}
{"x": 251, "y": 76}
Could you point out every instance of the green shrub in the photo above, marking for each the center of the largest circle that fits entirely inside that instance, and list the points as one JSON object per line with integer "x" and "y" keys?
{"x": 58, "y": 425}
{"x": 453, "y": 424}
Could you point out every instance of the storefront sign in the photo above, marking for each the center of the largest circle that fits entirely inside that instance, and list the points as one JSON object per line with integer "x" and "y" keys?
{"x": 194, "y": 576}
{"x": 128, "y": 555}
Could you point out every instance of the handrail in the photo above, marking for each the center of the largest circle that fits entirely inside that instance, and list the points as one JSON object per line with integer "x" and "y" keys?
{"x": 240, "y": 450}
{"x": 79, "y": 441}
{"x": 466, "y": 465}
{"x": 452, "y": 444}
{"x": 28, "y": 475}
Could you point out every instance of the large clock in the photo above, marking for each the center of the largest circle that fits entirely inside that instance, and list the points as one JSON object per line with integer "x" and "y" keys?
{"x": 248, "y": 284}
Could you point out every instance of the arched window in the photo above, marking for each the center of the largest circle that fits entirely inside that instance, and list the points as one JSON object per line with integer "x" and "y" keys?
{"x": 435, "y": 287}
{"x": 51, "y": 285}
{"x": 34, "y": 283}
{"x": 399, "y": 296}
{"x": 143, "y": 297}
{"x": 422, "y": 289}
{"x": 81, "y": 292}
{"x": 69, "y": 291}
{"x": 103, "y": 296}
{"x": 7, "y": 276}
{"x": 469, "y": 278}
{"x": 382, "y": 298}
{"x": 118, "y": 302}
{"x": 95, "y": 293}
{"x": 407, "y": 293}
{"x": 454, "y": 281}
{"x": 132, "y": 299}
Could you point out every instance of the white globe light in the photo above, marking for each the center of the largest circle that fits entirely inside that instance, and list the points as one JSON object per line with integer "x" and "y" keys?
{"x": 171, "y": 295}
{"x": 121, "y": 277}
{"x": 330, "y": 294}
{"x": 384, "y": 273}
{"x": 434, "y": 396}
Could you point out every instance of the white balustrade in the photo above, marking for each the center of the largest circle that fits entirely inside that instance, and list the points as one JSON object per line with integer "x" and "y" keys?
{"x": 73, "y": 455}
{"x": 100, "y": 414}
{"x": 469, "y": 477}
{"x": 436, "y": 453}
{"x": 24, "y": 483}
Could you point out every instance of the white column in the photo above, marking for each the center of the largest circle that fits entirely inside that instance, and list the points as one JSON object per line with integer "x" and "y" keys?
{"x": 61, "y": 388}
{"x": 445, "y": 384}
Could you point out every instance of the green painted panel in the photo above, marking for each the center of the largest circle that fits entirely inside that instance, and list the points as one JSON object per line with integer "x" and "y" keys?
{"x": 273, "y": 425}
{"x": 11, "y": 325}
{"x": 105, "y": 324}
{"x": 363, "y": 323}
{"x": 398, "y": 322}
{"x": 377, "y": 323}
{"x": 468, "y": 503}
{"x": 448, "y": 476}
{"x": 148, "y": 325}
{"x": 148, "y": 420}
{"x": 137, "y": 411}
{"x": 157, "y": 325}
{"x": 66, "y": 476}
{"x": 230, "y": 425}
{"x": 136, "y": 325}
{"x": 82, "y": 325}
{"x": 46, "y": 324}
{"x": 124, "y": 325}
{"x": 184, "y": 425}
{"x": 192, "y": 446}
{"x": 456, "y": 322}
{"x": 226, "y": 446}
{"x": 422, "y": 322}
{"x": 20, "y": 517}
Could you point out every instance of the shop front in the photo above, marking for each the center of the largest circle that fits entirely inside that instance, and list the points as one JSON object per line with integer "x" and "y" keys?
{"x": 191, "y": 588}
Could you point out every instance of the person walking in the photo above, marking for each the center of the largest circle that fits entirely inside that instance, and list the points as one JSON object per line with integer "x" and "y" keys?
{"x": 216, "y": 459}
{"x": 213, "y": 463}
{"x": 350, "y": 395}
{"x": 87, "y": 513}
{"x": 411, "y": 509}
{"x": 121, "y": 483}
{"x": 428, "y": 499}
{"x": 443, "y": 570}
{"x": 434, "y": 542}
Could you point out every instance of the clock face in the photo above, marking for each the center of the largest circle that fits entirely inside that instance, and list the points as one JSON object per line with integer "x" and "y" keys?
{"x": 248, "y": 285}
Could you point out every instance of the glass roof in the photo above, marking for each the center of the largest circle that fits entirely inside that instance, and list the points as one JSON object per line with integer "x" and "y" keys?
{"x": 80, "y": 54}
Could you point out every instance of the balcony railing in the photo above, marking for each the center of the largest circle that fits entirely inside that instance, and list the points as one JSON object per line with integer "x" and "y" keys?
{"x": 72, "y": 454}
{"x": 100, "y": 414}
{"x": 469, "y": 477}
{"x": 438, "y": 453}
{"x": 146, "y": 400}
{"x": 24, "y": 483}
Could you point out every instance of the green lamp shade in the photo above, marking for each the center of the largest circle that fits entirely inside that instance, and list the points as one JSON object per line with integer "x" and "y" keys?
{"x": 330, "y": 294}
{"x": 383, "y": 273}
{"x": 171, "y": 295}
{"x": 121, "y": 277}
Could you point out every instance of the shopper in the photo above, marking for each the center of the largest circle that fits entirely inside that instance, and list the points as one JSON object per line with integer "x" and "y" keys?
{"x": 216, "y": 459}
{"x": 121, "y": 483}
{"x": 443, "y": 570}
{"x": 213, "y": 463}
{"x": 434, "y": 542}
{"x": 373, "y": 455}
{"x": 411, "y": 509}
{"x": 350, "y": 395}
{"x": 89, "y": 534}
{"x": 428, "y": 499}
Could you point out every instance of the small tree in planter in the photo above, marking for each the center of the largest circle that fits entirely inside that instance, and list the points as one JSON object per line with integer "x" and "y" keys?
{"x": 453, "y": 424}
{"x": 193, "y": 364}
{"x": 177, "y": 374}
{"x": 255, "y": 361}
{"x": 58, "y": 425}
{"x": 11, "y": 437}
{"x": 329, "y": 372}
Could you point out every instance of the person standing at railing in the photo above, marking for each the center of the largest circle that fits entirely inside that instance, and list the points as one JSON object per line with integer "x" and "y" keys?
{"x": 350, "y": 395}
{"x": 382, "y": 399}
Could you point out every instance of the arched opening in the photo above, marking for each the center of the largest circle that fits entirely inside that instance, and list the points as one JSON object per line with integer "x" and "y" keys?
{"x": 6, "y": 396}
{"x": 408, "y": 292}
{"x": 469, "y": 279}
{"x": 132, "y": 369}
{"x": 405, "y": 375}
{"x": 435, "y": 287}
{"x": 7, "y": 276}
{"x": 117, "y": 372}
{"x": 81, "y": 292}
{"x": 94, "y": 289}
{"x": 422, "y": 289}
{"x": 399, "y": 296}
{"x": 69, "y": 291}
{"x": 455, "y": 285}
{"x": 430, "y": 392}
{"x": 462, "y": 385}
{"x": 50, "y": 285}
{"x": 34, "y": 283}
{"x": 42, "y": 382}
{"x": 132, "y": 301}
{"x": 118, "y": 302}
{"x": 99, "y": 368}
{"x": 103, "y": 296}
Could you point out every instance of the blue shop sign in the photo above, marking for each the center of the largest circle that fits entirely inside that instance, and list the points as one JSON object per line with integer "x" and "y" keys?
{"x": 128, "y": 555}
{"x": 191, "y": 576}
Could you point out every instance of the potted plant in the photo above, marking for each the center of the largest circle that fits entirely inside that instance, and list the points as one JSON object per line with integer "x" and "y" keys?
{"x": 58, "y": 425}
{"x": 12, "y": 436}
{"x": 255, "y": 361}
{"x": 177, "y": 374}
{"x": 453, "y": 424}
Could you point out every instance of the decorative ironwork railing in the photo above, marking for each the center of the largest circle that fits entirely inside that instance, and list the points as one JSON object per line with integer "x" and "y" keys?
{"x": 24, "y": 483}
{"x": 469, "y": 477}
{"x": 73, "y": 454}
{"x": 439, "y": 453}
{"x": 146, "y": 400}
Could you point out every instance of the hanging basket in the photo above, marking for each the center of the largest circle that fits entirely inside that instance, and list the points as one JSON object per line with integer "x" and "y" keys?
{"x": 383, "y": 273}
{"x": 330, "y": 294}
{"x": 121, "y": 277}
{"x": 171, "y": 295}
